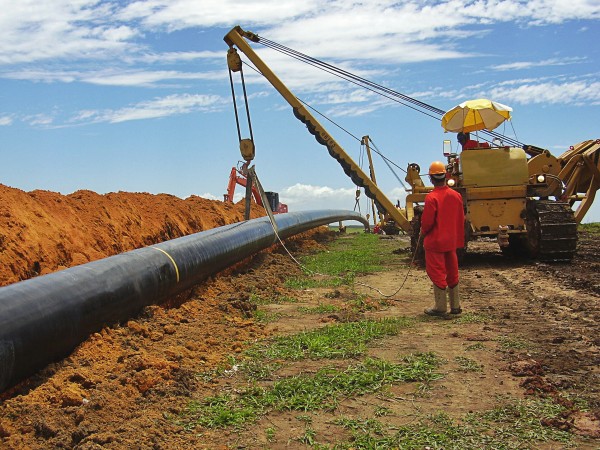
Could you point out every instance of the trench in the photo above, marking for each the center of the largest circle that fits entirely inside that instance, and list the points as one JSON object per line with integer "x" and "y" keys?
{"x": 44, "y": 318}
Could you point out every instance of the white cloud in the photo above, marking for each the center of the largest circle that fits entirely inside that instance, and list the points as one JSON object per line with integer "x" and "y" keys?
{"x": 370, "y": 38}
{"x": 147, "y": 78}
{"x": 519, "y": 65}
{"x": 33, "y": 31}
{"x": 209, "y": 196}
{"x": 305, "y": 196}
{"x": 388, "y": 31}
{"x": 42, "y": 76}
{"x": 39, "y": 119}
{"x": 398, "y": 194}
{"x": 5, "y": 120}
{"x": 176, "y": 15}
{"x": 574, "y": 93}
{"x": 114, "y": 77}
{"x": 171, "y": 57}
{"x": 158, "y": 107}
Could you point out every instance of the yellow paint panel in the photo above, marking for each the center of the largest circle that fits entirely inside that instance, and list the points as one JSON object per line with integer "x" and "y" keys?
{"x": 494, "y": 167}
{"x": 490, "y": 214}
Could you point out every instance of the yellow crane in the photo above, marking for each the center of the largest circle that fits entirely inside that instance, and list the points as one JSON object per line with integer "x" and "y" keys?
{"x": 522, "y": 196}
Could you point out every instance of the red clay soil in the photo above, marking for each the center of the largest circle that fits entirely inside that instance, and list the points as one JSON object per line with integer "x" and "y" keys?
{"x": 122, "y": 386}
{"x": 129, "y": 385}
{"x": 42, "y": 232}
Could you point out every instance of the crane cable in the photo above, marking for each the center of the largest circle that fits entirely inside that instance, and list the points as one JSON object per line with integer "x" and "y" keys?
{"x": 312, "y": 272}
{"x": 235, "y": 109}
{"x": 398, "y": 97}
{"x": 385, "y": 159}
{"x": 271, "y": 218}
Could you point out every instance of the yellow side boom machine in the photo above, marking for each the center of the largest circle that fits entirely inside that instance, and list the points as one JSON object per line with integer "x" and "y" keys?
{"x": 523, "y": 197}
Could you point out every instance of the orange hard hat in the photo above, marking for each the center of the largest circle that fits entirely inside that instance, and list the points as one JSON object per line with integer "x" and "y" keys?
{"x": 437, "y": 168}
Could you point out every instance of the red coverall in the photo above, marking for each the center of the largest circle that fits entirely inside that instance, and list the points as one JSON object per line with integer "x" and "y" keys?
{"x": 443, "y": 225}
{"x": 474, "y": 144}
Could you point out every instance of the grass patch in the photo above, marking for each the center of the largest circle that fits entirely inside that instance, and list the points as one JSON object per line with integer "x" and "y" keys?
{"x": 258, "y": 370}
{"x": 470, "y": 317}
{"x": 345, "y": 340}
{"x": 344, "y": 259}
{"x": 363, "y": 303}
{"x": 308, "y": 437}
{"x": 593, "y": 227}
{"x": 307, "y": 392}
{"x": 510, "y": 343}
{"x": 265, "y": 317}
{"x": 321, "y": 309}
{"x": 286, "y": 299}
{"x": 475, "y": 346}
{"x": 350, "y": 229}
{"x": 258, "y": 300}
{"x": 468, "y": 364}
{"x": 270, "y": 434}
{"x": 515, "y": 424}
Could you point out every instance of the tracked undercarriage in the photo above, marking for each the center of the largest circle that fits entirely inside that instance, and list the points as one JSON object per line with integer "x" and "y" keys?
{"x": 551, "y": 230}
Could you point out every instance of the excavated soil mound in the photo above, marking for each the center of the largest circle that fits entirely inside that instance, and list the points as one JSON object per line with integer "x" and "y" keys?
{"x": 130, "y": 385}
{"x": 42, "y": 231}
{"x": 123, "y": 386}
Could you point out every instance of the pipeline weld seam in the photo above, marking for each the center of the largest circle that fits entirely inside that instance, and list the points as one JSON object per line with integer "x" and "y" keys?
{"x": 172, "y": 260}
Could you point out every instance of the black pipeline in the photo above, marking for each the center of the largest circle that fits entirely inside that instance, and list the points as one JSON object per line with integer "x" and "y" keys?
{"x": 43, "y": 319}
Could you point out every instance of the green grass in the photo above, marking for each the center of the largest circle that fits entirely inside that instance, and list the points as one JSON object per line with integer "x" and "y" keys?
{"x": 516, "y": 424}
{"x": 350, "y": 229}
{"x": 470, "y": 317}
{"x": 321, "y": 309}
{"x": 468, "y": 364}
{"x": 270, "y": 434}
{"x": 593, "y": 227}
{"x": 475, "y": 346}
{"x": 344, "y": 259}
{"x": 345, "y": 340}
{"x": 323, "y": 390}
{"x": 308, "y": 437}
{"x": 511, "y": 343}
{"x": 265, "y": 317}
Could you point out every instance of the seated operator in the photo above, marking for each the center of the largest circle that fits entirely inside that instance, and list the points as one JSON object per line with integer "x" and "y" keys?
{"x": 467, "y": 143}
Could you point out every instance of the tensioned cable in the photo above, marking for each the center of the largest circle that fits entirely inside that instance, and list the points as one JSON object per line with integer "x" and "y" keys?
{"x": 374, "y": 87}
{"x": 321, "y": 64}
{"x": 375, "y": 149}
{"x": 387, "y": 161}
{"x": 359, "y": 82}
{"x": 312, "y": 272}
{"x": 328, "y": 119}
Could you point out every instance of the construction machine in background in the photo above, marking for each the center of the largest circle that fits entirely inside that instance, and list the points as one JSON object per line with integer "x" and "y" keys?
{"x": 240, "y": 176}
{"x": 522, "y": 197}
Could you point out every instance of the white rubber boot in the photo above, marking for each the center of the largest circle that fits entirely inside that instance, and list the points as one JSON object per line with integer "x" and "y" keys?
{"x": 454, "y": 295}
{"x": 441, "y": 306}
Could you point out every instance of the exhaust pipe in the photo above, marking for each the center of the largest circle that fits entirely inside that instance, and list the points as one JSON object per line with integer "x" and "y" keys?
{"x": 43, "y": 319}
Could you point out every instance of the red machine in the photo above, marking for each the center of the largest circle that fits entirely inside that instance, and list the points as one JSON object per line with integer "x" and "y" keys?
{"x": 238, "y": 177}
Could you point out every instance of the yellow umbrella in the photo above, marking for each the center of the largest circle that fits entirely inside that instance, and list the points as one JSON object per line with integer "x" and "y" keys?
{"x": 474, "y": 115}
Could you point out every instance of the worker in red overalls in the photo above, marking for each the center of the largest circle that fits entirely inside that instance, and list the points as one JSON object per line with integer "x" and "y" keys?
{"x": 464, "y": 139}
{"x": 442, "y": 225}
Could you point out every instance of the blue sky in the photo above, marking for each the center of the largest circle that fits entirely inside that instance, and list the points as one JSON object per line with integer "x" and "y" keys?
{"x": 134, "y": 95}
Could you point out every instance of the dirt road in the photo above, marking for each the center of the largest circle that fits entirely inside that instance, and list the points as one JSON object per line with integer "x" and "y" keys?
{"x": 529, "y": 329}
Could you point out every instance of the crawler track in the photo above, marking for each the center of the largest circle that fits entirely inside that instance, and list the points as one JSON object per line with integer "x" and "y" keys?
{"x": 552, "y": 230}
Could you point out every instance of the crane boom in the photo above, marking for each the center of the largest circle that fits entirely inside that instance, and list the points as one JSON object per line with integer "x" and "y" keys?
{"x": 237, "y": 37}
